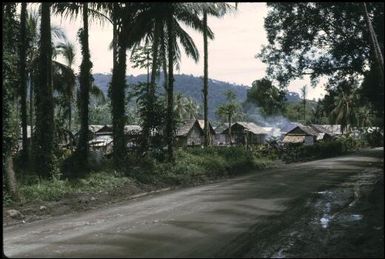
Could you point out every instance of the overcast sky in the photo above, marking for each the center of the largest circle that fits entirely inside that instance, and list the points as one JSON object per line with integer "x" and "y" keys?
{"x": 238, "y": 38}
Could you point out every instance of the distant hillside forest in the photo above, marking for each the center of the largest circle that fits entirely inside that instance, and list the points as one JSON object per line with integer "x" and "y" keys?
{"x": 191, "y": 86}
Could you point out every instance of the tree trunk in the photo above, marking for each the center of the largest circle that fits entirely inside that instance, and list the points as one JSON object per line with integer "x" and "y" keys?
{"x": 31, "y": 109}
{"x": 231, "y": 143}
{"x": 170, "y": 92}
{"x": 69, "y": 116}
{"x": 164, "y": 60}
{"x": 8, "y": 94}
{"x": 205, "y": 84}
{"x": 44, "y": 142}
{"x": 85, "y": 85}
{"x": 375, "y": 45}
{"x": 117, "y": 102}
{"x": 11, "y": 178}
{"x": 23, "y": 80}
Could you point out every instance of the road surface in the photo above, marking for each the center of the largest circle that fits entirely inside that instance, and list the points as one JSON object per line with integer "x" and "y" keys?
{"x": 243, "y": 216}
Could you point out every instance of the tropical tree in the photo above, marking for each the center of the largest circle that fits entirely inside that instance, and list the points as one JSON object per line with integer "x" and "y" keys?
{"x": 23, "y": 78}
{"x": 160, "y": 24}
{"x": 304, "y": 93}
{"x": 267, "y": 96}
{"x": 44, "y": 135}
{"x": 185, "y": 108}
{"x": 85, "y": 76}
{"x": 345, "y": 111}
{"x": 331, "y": 40}
{"x": 67, "y": 50}
{"x": 9, "y": 122}
{"x": 229, "y": 109}
{"x": 217, "y": 10}
{"x": 33, "y": 36}
{"x": 375, "y": 45}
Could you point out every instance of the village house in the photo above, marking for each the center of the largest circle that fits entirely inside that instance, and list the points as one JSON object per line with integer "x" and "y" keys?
{"x": 323, "y": 134}
{"x": 101, "y": 143}
{"x": 103, "y": 140}
{"x": 189, "y": 133}
{"x": 221, "y": 139}
{"x": 211, "y": 129}
{"x": 334, "y": 129}
{"x": 132, "y": 133}
{"x": 246, "y": 133}
{"x": 20, "y": 139}
{"x": 301, "y": 134}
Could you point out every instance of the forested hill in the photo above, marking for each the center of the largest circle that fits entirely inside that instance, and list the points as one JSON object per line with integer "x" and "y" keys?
{"x": 191, "y": 86}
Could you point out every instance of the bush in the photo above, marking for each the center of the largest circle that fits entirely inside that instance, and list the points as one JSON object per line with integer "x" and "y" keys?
{"x": 299, "y": 152}
{"x": 195, "y": 165}
{"x": 374, "y": 138}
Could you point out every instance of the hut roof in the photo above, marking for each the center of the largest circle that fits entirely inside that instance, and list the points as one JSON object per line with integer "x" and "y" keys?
{"x": 220, "y": 129}
{"x": 251, "y": 127}
{"x": 186, "y": 126}
{"x": 334, "y": 129}
{"x": 132, "y": 129}
{"x": 293, "y": 139}
{"x": 95, "y": 128}
{"x": 306, "y": 129}
{"x": 320, "y": 129}
{"x": 101, "y": 141}
{"x": 105, "y": 129}
{"x": 202, "y": 125}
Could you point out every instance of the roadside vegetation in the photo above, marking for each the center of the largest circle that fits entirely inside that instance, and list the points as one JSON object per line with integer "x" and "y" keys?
{"x": 46, "y": 102}
{"x": 193, "y": 166}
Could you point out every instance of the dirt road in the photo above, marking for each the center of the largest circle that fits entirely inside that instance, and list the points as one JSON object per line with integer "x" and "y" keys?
{"x": 284, "y": 212}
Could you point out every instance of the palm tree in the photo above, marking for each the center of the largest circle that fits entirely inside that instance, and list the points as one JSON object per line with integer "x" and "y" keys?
{"x": 85, "y": 77}
{"x": 33, "y": 36}
{"x": 67, "y": 50}
{"x": 184, "y": 107}
{"x": 159, "y": 23}
{"x": 229, "y": 109}
{"x": 304, "y": 93}
{"x": 23, "y": 78}
{"x": 373, "y": 39}
{"x": 186, "y": 13}
{"x": 217, "y": 10}
{"x": 44, "y": 135}
{"x": 344, "y": 111}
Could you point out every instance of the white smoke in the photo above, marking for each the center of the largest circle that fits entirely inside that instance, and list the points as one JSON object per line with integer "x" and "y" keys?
{"x": 276, "y": 125}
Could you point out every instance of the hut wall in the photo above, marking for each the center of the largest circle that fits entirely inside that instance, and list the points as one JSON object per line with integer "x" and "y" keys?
{"x": 309, "y": 140}
{"x": 194, "y": 137}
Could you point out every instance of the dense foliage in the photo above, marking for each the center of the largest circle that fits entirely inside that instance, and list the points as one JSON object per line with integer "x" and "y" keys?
{"x": 331, "y": 40}
{"x": 264, "y": 94}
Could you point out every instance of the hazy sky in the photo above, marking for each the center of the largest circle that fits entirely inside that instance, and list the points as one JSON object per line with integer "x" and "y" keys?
{"x": 238, "y": 38}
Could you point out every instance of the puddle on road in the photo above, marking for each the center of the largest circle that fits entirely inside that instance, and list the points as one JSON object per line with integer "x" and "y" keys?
{"x": 331, "y": 213}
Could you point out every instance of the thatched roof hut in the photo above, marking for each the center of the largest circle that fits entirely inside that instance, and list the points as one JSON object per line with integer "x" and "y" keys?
{"x": 189, "y": 133}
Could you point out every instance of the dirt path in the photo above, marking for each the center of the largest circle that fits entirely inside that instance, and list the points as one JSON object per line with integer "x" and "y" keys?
{"x": 221, "y": 219}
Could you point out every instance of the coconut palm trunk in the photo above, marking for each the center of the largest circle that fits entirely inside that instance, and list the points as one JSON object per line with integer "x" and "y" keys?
{"x": 117, "y": 101}
{"x": 23, "y": 79}
{"x": 85, "y": 84}
{"x": 31, "y": 109}
{"x": 373, "y": 39}
{"x": 170, "y": 92}
{"x": 205, "y": 83}
{"x": 229, "y": 119}
{"x": 44, "y": 141}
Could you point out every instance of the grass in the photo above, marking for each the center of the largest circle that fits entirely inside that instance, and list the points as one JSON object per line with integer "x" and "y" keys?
{"x": 53, "y": 190}
{"x": 193, "y": 166}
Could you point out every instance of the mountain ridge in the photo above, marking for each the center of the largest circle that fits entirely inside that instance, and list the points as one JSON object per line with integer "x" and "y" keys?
{"x": 191, "y": 86}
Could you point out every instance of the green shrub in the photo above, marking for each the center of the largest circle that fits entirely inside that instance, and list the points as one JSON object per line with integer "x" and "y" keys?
{"x": 374, "y": 138}
{"x": 299, "y": 152}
